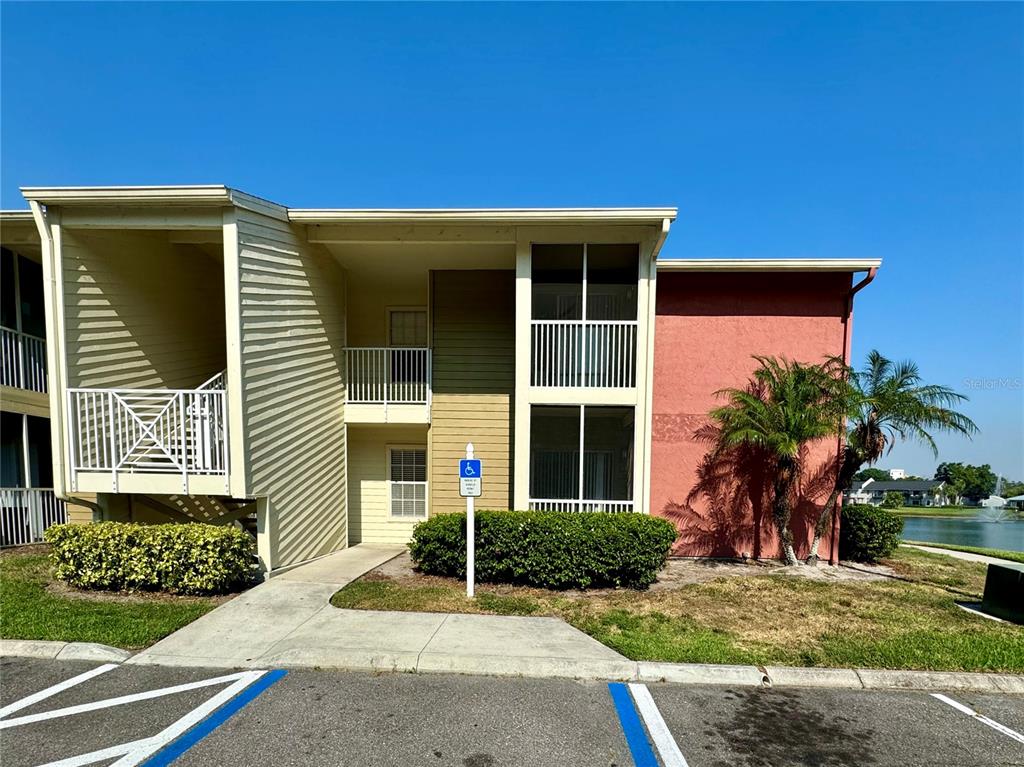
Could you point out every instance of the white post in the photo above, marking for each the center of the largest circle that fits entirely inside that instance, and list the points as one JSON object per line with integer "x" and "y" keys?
{"x": 470, "y": 536}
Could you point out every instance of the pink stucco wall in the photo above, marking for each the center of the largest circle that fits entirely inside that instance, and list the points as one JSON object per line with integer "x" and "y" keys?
{"x": 708, "y": 326}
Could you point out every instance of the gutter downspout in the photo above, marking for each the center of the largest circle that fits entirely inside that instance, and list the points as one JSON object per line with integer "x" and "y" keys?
{"x": 54, "y": 349}
{"x": 833, "y": 556}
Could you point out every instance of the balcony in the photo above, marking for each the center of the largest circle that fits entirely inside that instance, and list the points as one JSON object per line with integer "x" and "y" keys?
{"x": 584, "y": 353}
{"x": 165, "y": 441}
{"x": 22, "y": 360}
{"x": 572, "y": 505}
{"x": 388, "y": 384}
{"x": 25, "y": 513}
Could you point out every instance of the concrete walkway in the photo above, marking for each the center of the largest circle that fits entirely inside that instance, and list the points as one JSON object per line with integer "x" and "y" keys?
{"x": 288, "y": 621}
{"x": 965, "y": 555}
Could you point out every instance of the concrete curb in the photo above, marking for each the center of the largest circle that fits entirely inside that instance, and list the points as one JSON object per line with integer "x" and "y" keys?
{"x": 550, "y": 668}
{"x": 83, "y": 651}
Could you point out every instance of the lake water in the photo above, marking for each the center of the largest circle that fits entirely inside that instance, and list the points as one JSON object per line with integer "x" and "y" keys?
{"x": 1008, "y": 534}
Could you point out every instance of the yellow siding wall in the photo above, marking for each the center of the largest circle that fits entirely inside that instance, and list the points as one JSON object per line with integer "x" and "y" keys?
{"x": 292, "y": 323}
{"x": 140, "y": 312}
{"x": 369, "y": 300}
{"x": 474, "y": 380}
{"x": 369, "y": 517}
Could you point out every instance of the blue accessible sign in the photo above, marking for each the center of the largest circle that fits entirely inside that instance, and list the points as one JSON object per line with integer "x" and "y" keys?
{"x": 470, "y": 472}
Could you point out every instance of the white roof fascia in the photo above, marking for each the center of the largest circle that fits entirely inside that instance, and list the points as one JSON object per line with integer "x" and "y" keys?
{"x": 768, "y": 264}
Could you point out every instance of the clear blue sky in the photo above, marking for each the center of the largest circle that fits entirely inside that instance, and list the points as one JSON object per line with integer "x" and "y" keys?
{"x": 800, "y": 130}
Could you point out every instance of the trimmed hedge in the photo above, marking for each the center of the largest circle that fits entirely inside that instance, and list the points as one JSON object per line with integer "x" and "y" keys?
{"x": 868, "y": 533}
{"x": 179, "y": 559}
{"x": 553, "y": 550}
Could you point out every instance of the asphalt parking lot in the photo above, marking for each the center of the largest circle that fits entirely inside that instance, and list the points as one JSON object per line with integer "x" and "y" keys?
{"x": 138, "y": 715}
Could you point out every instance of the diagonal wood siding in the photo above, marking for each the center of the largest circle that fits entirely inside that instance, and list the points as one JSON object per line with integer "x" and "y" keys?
{"x": 292, "y": 323}
{"x": 473, "y": 315}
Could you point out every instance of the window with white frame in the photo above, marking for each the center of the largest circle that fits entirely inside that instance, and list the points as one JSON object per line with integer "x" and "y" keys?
{"x": 407, "y": 482}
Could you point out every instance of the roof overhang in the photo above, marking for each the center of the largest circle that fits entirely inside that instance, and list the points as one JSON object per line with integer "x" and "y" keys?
{"x": 768, "y": 264}
{"x": 525, "y": 216}
{"x": 203, "y": 194}
{"x": 14, "y": 216}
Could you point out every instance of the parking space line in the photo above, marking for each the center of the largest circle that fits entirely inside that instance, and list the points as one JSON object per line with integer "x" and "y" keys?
{"x": 632, "y": 727}
{"x": 204, "y": 727}
{"x": 667, "y": 747}
{"x": 1002, "y": 728}
{"x": 97, "y": 756}
{"x": 120, "y": 701}
{"x": 49, "y": 692}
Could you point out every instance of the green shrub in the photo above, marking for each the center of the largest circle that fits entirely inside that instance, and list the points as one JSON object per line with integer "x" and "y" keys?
{"x": 868, "y": 533}
{"x": 180, "y": 559}
{"x": 892, "y": 500}
{"x": 554, "y": 550}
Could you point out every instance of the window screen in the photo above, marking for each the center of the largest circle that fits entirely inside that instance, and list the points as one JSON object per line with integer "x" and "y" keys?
{"x": 408, "y": 328}
{"x": 408, "y": 482}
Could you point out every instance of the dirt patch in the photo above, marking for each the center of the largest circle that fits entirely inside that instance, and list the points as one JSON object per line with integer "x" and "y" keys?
{"x": 61, "y": 589}
{"x": 677, "y": 572}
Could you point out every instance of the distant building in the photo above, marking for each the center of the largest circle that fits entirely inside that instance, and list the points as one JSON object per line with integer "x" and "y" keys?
{"x": 1016, "y": 502}
{"x": 897, "y": 474}
{"x": 916, "y": 492}
{"x": 993, "y": 502}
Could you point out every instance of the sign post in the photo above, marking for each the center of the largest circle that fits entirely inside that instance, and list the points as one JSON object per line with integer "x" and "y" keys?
{"x": 470, "y": 478}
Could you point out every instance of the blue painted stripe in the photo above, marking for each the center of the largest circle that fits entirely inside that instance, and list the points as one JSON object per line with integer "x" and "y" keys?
{"x": 633, "y": 728}
{"x": 176, "y": 748}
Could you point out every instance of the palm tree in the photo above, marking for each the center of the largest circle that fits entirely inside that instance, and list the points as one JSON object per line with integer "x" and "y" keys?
{"x": 889, "y": 402}
{"x": 785, "y": 406}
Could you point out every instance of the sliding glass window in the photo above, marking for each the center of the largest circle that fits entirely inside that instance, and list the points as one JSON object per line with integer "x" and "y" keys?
{"x": 603, "y": 480}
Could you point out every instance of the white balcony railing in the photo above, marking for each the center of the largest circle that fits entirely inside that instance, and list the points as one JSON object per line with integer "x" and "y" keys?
{"x": 22, "y": 360}
{"x": 26, "y": 512}
{"x": 588, "y": 353}
{"x": 158, "y": 431}
{"x": 388, "y": 375}
{"x": 572, "y": 504}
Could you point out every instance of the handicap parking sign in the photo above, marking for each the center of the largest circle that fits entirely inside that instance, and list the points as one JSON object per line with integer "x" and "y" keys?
{"x": 470, "y": 472}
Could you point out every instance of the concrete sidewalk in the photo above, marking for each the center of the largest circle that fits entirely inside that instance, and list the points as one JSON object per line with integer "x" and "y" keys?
{"x": 965, "y": 555}
{"x": 248, "y": 627}
{"x": 288, "y": 621}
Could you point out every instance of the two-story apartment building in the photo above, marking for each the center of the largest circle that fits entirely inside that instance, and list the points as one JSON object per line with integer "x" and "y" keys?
{"x": 214, "y": 355}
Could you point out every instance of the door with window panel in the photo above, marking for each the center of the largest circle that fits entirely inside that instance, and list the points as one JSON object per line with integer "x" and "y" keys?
{"x": 407, "y": 333}
{"x": 407, "y": 482}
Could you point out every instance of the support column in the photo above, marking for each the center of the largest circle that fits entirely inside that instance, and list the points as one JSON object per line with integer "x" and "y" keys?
{"x": 521, "y": 436}
{"x": 265, "y": 529}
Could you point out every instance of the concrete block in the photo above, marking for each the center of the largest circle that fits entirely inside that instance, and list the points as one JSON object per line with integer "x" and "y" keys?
{"x": 790, "y": 676}
{"x": 701, "y": 673}
{"x": 926, "y": 680}
{"x": 30, "y": 648}
{"x": 524, "y": 666}
{"x": 91, "y": 651}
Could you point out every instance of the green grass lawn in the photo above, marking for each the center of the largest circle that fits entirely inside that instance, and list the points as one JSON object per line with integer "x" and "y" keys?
{"x": 908, "y": 623}
{"x": 1013, "y": 556}
{"x": 33, "y": 606}
{"x": 937, "y": 511}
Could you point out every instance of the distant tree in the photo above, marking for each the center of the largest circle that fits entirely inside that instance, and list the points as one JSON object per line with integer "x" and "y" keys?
{"x": 888, "y": 401}
{"x": 974, "y": 482}
{"x": 879, "y": 475}
{"x": 1011, "y": 487}
{"x": 892, "y": 500}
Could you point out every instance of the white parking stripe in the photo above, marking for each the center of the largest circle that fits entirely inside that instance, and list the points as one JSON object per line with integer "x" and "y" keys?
{"x": 669, "y": 751}
{"x": 983, "y": 719}
{"x": 120, "y": 701}
{"x": 136, "y": 751}
{"x": 144, "y": 750}
{"x": 98, "y": 756}
{"x": 57, "y": 688}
